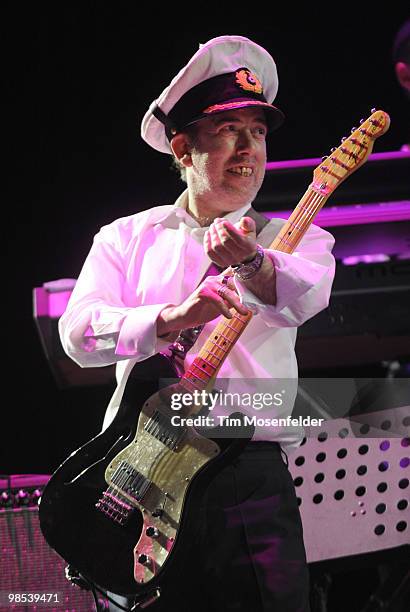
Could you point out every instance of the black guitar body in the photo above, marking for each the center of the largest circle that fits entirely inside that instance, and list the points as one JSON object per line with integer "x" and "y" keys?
{"x": 97, "y": 547}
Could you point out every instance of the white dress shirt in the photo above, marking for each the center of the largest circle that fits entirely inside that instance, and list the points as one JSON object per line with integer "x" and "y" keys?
{"x": 141, "y": 263}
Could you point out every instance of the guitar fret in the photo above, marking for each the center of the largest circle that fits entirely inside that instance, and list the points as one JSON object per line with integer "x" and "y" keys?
{"x": 284, "y": 241}
{"x": 206, "y": 361}
{"x": 225, "y": 337}
{"x": 211, "y": 353}
{"x": 236, "y": 318}
{"x": 194, "y": 365}
{"x": 297, "y": 227}
{"x": 201, "y": 369}
{"x": 185, "y": 378}
{"x": 191, "y": 373}
{"x": 326, "y": 177}
{"x": 217, "y": 345}
{"x": 230, "y": 327}
{"x": 198, "y": 378}
{"x": 305, "y": 208}
{"x": 243, "y": 322}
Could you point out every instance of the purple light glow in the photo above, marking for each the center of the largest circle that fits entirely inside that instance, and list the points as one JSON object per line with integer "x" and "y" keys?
{"x": 315, "y": 161}
{"x": 353, "y": 260}
{"x": 355, "y": 214}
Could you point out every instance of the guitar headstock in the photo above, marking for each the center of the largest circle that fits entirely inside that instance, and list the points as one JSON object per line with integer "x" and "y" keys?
{"x": 351, "y": 154}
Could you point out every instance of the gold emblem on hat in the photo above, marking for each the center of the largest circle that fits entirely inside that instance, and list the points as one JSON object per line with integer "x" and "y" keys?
{"x": 248, "y": 81}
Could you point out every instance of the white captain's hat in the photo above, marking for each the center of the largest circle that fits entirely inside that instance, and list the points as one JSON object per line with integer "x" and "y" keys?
{"x": 226, "y": 73}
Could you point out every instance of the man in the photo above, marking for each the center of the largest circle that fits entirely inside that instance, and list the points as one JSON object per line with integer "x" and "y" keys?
{"x": 142, "y": 284}
{"x": 401, "y": 62}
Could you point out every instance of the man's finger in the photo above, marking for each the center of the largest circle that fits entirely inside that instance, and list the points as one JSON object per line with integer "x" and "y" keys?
{"x": 247, "y": 225}
{"x": 229, "y": 282}
{"x": 225, "y": 229}
{"x": 232, "y": 298}
{"x": 224, "y": 308}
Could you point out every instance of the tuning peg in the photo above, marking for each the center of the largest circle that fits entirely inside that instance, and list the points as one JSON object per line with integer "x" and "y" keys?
{"x": 324, "y": 157}
{"x": 353, "y": 129}
{"x": 373, "y": 110}
{"x": 343, "y": 139}
{"x": 333, "y": 149}
{"x": 361, "y": 121}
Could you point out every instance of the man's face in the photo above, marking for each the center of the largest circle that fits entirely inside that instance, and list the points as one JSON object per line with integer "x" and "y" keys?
{"x": 229, "y": 158}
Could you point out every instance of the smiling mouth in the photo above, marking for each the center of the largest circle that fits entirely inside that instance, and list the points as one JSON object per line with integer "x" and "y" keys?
{"x": 241, "y": 171}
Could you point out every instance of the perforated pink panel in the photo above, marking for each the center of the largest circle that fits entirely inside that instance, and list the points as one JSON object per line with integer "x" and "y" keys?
{"x": 352, "y": 481}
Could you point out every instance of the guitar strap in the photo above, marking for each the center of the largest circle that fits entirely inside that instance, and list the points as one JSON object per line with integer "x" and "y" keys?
{"x": 187, "y": 337}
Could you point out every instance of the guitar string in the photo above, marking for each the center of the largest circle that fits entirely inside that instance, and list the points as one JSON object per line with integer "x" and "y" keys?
{"x": 306, "y": 213}
{"x": 355, "y": 152}
{"x": 300, "y": 223}
{"x": 310, "y": 203}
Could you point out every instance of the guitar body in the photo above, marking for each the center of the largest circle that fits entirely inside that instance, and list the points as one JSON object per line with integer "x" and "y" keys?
{"x": 124, "y": 505}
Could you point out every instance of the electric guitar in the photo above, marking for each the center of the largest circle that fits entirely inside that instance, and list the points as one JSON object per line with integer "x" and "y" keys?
{"x": 121, "y": 509}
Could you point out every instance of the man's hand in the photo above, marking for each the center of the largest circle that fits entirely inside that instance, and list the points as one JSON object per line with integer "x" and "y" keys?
{"x": 203, "y": 305}
{"x": 227, "y": 244}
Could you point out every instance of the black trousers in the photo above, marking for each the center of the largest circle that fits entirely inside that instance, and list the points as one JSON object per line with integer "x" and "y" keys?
{"x": 248, "y": 554}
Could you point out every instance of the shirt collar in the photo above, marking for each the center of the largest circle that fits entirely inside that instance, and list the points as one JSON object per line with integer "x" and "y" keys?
{"x": 177, "y": 212}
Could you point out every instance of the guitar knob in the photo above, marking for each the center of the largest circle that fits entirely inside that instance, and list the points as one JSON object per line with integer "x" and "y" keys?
{"x": 5, "y": 500}
{"x": 36, "y": 497}
{"x": 22, "y": 498}
{"x": 143, "y": 559}
{"x": 152, "y": 532}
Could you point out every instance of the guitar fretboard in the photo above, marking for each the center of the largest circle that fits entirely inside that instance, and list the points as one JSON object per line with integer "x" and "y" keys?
{"x": 217, "y": 347}
{"x": 344, "y": 160}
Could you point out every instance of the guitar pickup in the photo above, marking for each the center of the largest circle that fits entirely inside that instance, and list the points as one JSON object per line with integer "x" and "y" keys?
{"x": 160, "y": 427}
{"x": 130, "y": 481}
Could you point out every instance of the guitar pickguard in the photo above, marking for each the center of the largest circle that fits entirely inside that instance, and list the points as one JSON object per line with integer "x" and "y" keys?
{"x": 153, "y": 474}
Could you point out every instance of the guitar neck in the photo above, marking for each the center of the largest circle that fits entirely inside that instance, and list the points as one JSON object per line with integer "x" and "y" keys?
{"x": 344, "y": 160}
{"x": 206, "y": 365}
{"x": 300, "y": 220}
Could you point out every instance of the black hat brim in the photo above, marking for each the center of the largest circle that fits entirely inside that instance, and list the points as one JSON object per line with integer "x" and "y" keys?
{"x": 274, "y": 116}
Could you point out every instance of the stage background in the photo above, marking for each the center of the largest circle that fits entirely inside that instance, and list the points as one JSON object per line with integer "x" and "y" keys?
{"x": 78, "y": 80}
